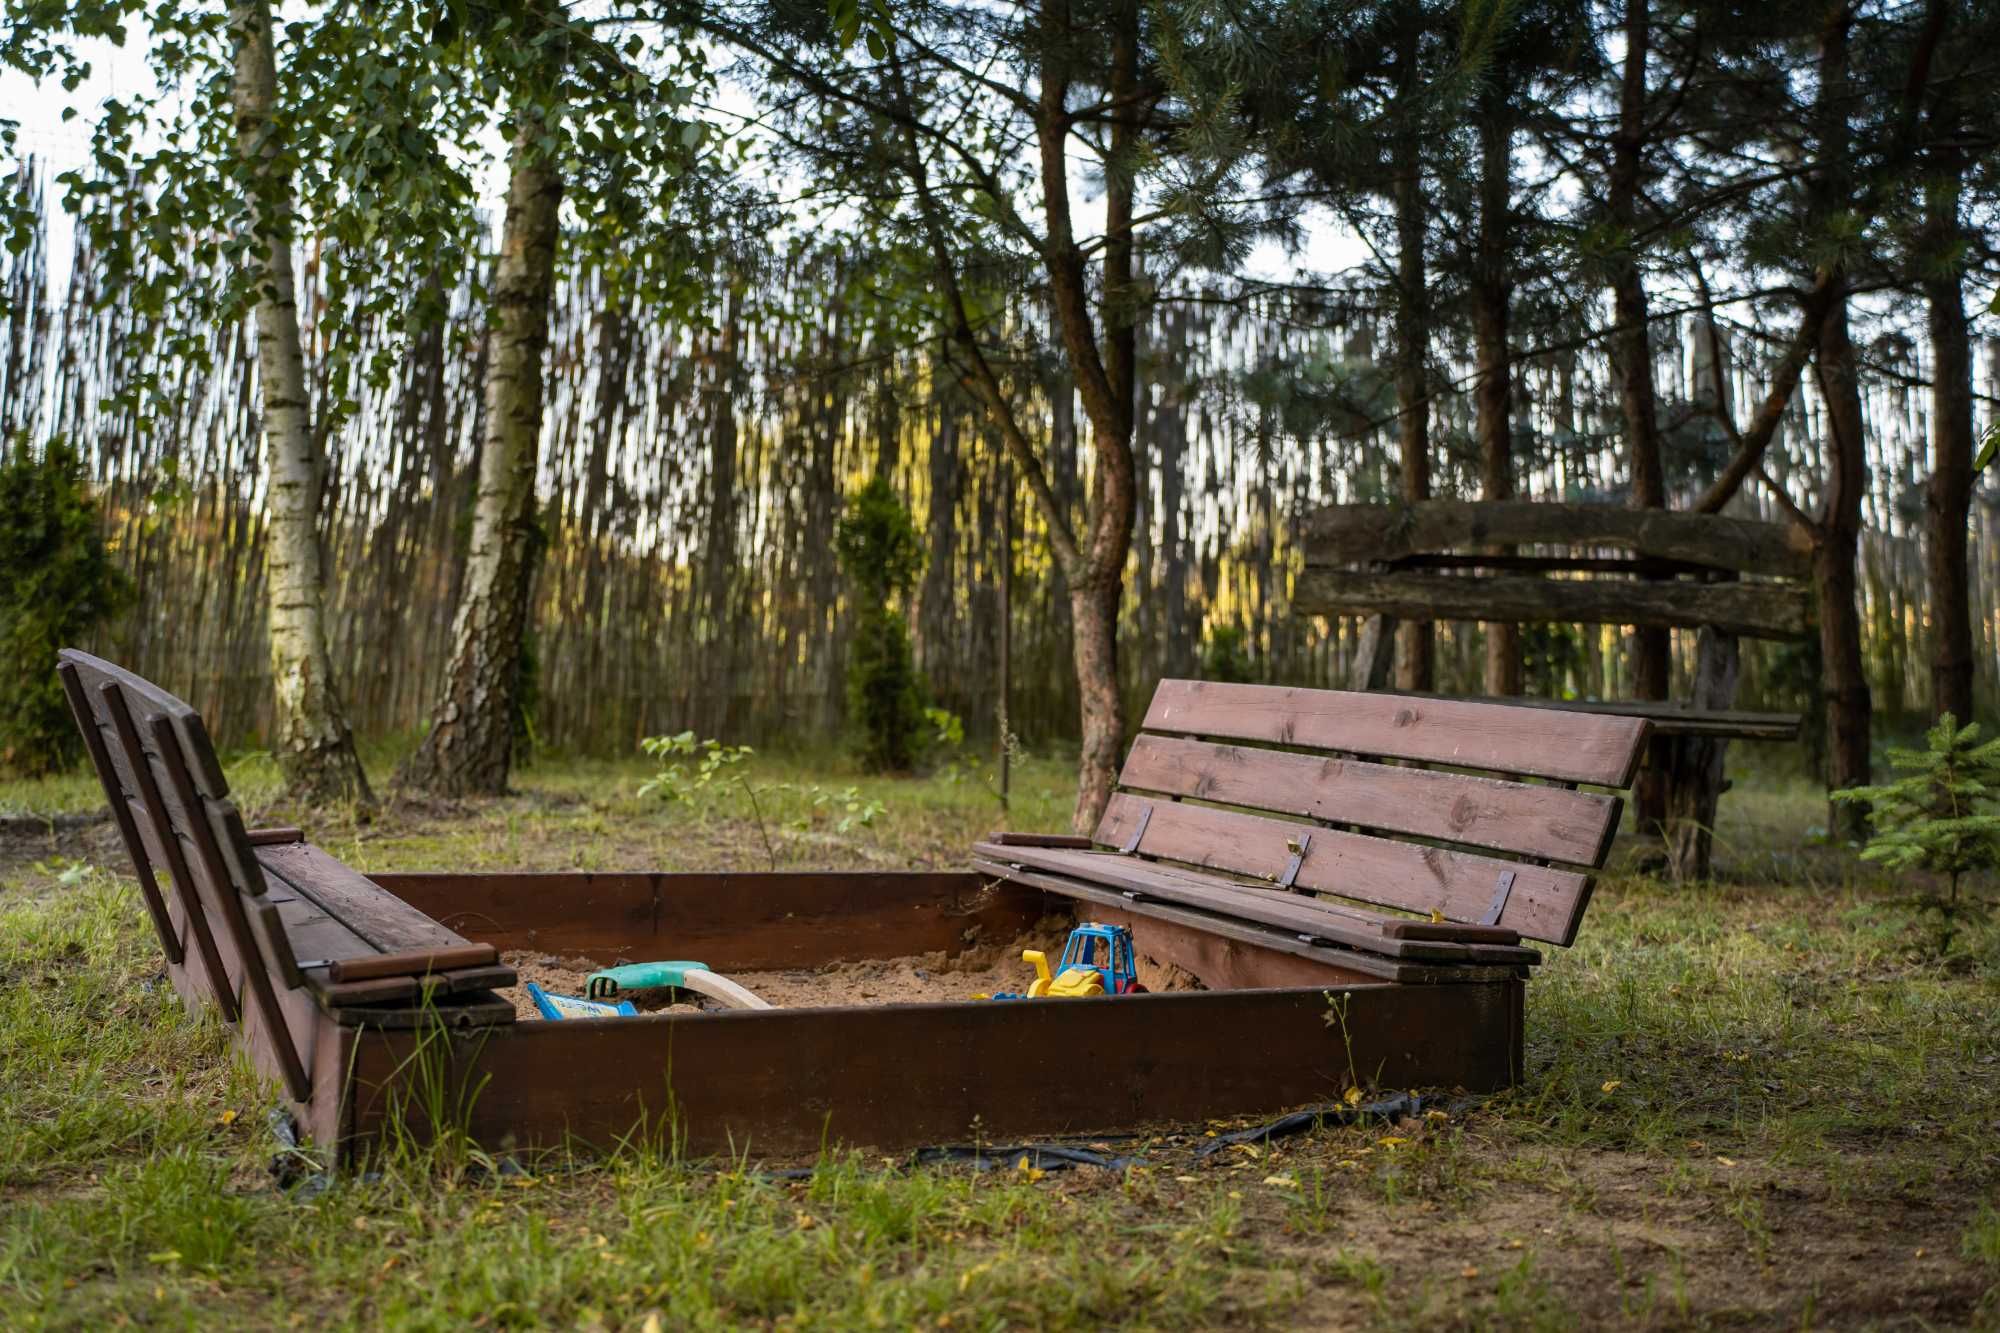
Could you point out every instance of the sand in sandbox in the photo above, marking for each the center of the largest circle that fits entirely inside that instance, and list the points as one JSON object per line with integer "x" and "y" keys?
{"x": 918, "y": 979}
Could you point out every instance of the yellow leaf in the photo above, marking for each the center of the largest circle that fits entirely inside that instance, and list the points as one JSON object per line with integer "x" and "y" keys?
{"x": 226, "y": 1118}
{"x": 1353, "y": 1096}
{"x": 652, "y": 1324}
{"x": 1612, "y": 1085}
{"x": 1725, "y": 1161}
{"x": 1436, "y": 915}
{"x": 1469, "y": 1271}
{"x": 1282, "y": 1182}
{"x": 1392, "y": 1141}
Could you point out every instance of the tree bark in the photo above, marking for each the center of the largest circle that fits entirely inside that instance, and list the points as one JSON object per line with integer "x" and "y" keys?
{"x": 470, "y": 746}
{"x": 1632, "y": 360}
{"x": 1848, "y": 704}
{"x": 311, "y": 741}
{"x": 1948, "y": 497}
{"x": 1105, "y": 383}
{"x": 1494, "y": 393}
{"x": 1695, "y": 763}
{"x": 1416, "y": 640}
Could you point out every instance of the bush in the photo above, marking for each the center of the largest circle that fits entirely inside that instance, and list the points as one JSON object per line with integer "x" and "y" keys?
{"x": 60, "y": 583}
{"x": 1940, "y": 815}
{"x": 881, "y": 556}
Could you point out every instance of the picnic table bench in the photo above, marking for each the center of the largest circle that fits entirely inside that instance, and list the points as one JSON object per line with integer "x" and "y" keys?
{"x": 1402, "y": 834}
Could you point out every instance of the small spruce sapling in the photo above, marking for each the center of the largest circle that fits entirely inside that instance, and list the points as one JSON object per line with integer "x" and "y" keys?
{"x": 1940, "y": 815}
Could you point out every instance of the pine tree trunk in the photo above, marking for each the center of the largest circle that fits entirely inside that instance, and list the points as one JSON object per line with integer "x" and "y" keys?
{"x": 1948, "y": 499}
{"x": 1094, "y": 612}
{"x": 1494, "y": 393}
{"x": 310, "y": 738}
{"x": 1632, "y": 358}
{"x": 1416, "y": 640}
{"x": 1835, "y": 555}
{"x": 470, "y": 746}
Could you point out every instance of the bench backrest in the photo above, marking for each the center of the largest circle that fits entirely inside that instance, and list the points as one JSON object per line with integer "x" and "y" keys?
{"x": 171, "y": 803}
{"x": 1331, "y": 791}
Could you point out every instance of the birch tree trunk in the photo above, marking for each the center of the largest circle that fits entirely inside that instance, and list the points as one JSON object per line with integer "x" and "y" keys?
{"x": 310, "y": 738}
{"x": 471, "y": 742}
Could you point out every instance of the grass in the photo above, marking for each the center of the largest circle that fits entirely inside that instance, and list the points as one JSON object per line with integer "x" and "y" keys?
{"x": 1774, "y": 1100}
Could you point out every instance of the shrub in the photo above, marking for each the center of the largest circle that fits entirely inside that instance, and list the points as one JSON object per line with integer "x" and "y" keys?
{"x": 1939, "y": 816}
{"x": 881, "y": 556}
{"x": 59, "y": 584}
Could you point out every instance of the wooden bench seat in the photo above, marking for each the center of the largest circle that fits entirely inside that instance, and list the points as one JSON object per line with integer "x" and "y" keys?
{"x": 270, "y": 920}
{"x": 1304, "y": 812}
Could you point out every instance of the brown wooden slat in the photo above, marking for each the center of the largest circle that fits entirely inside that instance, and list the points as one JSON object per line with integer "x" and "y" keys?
{"x": 1004, "y": 838}
{"x": 370, "y": 911}
{"x": 257, "y": 967}
{"x": 1544, "y": 903}
{"x": 1364, "y": 962}
{"x": 121, "y": 810}
{"x": 1538, "y": 821}
{"x": 1364, "y": 533}
{"x": 414, "y": 963}
{"x": 146, "y": 697}
{"x": 1137, "y": 872}
{"x": 169, "y": 846}
{"x": 1760, "y": 610}
{"x": 1591, "y": 748}
{"x": 1301, "y": 915}
{"x": 893, "y": 1076}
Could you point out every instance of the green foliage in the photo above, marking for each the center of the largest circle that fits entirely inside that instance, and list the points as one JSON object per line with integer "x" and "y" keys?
{"x": 881, "y": 555}
{"x": 692, "y": 770}
{"x": 1939, "y": 816}
{"x": 1226, "y": 656}
{"x": 59, "y": 583}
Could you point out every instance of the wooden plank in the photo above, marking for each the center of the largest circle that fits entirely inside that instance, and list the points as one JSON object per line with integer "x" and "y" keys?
{"x": 139, "y": 773}
{"x": 370, "y": 911}
{"x": 734, "y": 922}
{"x": 414, "y": 963}
{"x": 1544, "y": 903}
{"x": 210, "y": 866}
{"x": 1759, "y": 610}
{"x": 1553, "y": 823}
{"x": 1503, "y": 738}
{"x": 1377, "y": 929}
{"x": 1355, "y": 964}
{"x": 784, "y": 1082}
{"x": 121, "y": 810}
{"x": 1304, "y": 916}
{"x": 1358, "y": 534}
{"x": 1669, "y": 717}
{"x": 204, "y": 769}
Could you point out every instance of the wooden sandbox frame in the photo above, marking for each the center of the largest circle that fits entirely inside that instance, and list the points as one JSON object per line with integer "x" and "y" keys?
{"x": 370, "y": 1000}
{"x": 784, "y": 1082}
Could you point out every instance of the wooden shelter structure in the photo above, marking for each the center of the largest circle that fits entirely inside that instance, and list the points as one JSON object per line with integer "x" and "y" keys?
{"x": 1536, "y": 562}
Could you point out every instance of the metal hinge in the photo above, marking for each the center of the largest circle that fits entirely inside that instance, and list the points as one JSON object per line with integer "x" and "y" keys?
{"x": 1132, "y": 843}
{"x": 1502, "y": 888}
{"x": 1298, "y": 850}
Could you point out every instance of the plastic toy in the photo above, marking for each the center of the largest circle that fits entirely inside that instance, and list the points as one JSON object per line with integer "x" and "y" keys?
{"x": 552, "y": 1005}
{"x": 683, "y": 975}
{"x": 1097, "y": 960}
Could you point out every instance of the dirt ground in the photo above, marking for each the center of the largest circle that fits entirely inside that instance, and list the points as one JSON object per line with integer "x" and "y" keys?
{"x": 928, "y": 978}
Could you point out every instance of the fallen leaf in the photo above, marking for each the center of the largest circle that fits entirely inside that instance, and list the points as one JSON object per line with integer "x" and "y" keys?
{"x": 1282, "y": 1182}
{"x": 1353, "y": 1096}
{"x": 1725, "y": 1161}
{"x": 1469, "y": 1271}
{"x": 1612, "y": 1085}
{"x": 226, "y": 1118}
